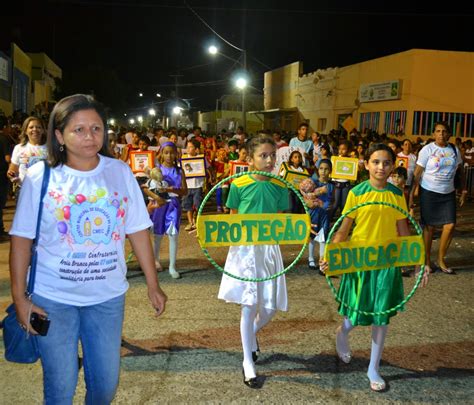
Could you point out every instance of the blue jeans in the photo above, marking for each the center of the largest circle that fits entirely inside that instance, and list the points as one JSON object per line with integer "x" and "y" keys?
{"x": 99, "y": 329}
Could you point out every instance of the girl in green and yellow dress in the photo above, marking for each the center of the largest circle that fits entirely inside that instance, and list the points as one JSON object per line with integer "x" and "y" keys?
{"x": 379, "y": 290}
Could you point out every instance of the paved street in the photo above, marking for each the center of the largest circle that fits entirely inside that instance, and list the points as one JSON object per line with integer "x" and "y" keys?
{"x": 192, "y": 354}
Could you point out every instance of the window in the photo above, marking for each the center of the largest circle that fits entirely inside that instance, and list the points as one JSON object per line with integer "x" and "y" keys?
{"x": 369, "y": 120}
{"x": 462, "y": 124}
{"x": 322, "y": 122}
{"x": 395, "y": 122}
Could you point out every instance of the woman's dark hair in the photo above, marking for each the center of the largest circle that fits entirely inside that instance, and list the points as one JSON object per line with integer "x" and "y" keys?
{"x": 23, "y": 138}
{"x": 379, "y": 146}
{"x": 60, "y": 117}
{"x": 444, "y": 124}
{"x": 257, "y": 141}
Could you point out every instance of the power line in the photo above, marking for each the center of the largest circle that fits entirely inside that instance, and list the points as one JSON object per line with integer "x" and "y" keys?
{"x": 208, "y": 26}
{"x": 441, "y": 13}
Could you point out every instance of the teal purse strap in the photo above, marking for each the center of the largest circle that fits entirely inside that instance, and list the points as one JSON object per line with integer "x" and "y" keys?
{"x": 34, "y": 253}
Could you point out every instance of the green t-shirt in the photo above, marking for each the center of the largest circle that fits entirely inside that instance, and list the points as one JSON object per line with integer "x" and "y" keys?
{"x": 251, "y": 196}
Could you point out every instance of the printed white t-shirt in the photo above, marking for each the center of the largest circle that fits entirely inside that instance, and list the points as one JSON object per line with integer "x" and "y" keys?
{"x": 440, "y": 166}
{"x": 25, "y": 156}
{"x": 86, "y": 216}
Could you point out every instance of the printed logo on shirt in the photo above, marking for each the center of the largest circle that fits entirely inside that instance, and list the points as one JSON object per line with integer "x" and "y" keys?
{"x": 94, "y": 218}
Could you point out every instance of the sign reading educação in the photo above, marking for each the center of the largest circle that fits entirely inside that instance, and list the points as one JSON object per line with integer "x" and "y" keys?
{"x": 349, "y": 257}
{"x": 253, "y": 229}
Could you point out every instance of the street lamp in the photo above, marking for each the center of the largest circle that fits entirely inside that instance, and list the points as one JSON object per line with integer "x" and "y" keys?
{"x": 152, "y": 112}
{"x": 140, "y": 94}
{"x": 112, "y": 121}
{"x": 177, "y": 110}
{"x": 241, "y": 82}
{"x": 158, "y": 95}
{"x": 131, "y": 121}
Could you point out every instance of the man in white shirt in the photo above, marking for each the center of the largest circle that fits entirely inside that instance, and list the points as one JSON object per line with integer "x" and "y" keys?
{"x": 301, "y": 141}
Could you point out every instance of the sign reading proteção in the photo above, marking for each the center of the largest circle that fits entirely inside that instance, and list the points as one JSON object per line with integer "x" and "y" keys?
{"x": 349, "y": 257}
{"x": 253, "y": 229}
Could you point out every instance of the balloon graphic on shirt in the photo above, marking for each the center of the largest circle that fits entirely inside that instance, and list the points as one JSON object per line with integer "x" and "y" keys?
{"x": 92, "y": 199}
{"x": 59, "y": 214}
{"x": 101, "y": 192}
{"x": 80, "y": 198}
{"x": 62, "y": 227}
{"x": 116, "y": 203}
{"x": 72, "y": 198}
{"x": 67, "y": 212}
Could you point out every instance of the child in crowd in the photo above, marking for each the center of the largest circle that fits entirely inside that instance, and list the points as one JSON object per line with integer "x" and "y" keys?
{"x": 342, "y": 186}
{"x": 377, "y": 290}
{"x": 320, "y": 215}
{"x": 399, "y": 179}
{"x": 255, "y": 194}
{"x": 295, "y": 164}
{"x": 195, "y": 186}
{"x": 233, "y": 153}
{"x": 166, "y": 216}
{"x": 221, "y": 170}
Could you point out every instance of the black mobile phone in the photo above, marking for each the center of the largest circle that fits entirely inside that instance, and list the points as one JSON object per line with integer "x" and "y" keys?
{"x": 39, "y": 323}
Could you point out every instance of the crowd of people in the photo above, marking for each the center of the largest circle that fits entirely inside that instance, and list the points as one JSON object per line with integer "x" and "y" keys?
{"x": 94, "y": 202}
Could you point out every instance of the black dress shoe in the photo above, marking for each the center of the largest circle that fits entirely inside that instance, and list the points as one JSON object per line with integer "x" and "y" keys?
{"x": 256, "y": 353}
{"x": 250, "y": 382}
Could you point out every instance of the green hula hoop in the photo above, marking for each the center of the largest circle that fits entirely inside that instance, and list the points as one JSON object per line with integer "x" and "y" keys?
{"x": 205, "y": 251}
{"x": 418, "y": 280}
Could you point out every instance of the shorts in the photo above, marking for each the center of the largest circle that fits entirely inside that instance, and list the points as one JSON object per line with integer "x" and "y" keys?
{"x": 193, "y": 199}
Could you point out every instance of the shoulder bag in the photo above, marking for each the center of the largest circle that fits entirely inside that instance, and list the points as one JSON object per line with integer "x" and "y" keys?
{"x": 20, "y": 346}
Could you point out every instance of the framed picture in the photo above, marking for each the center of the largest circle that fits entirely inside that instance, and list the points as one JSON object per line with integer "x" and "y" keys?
{"x": 294, "y": 177}
{"x": 140, "y": 160}
{"x": 401, "y": 162}
{"x": 238, "y": 167}
{"x": 193, "y": 166}
{"x": 344, "y": 168}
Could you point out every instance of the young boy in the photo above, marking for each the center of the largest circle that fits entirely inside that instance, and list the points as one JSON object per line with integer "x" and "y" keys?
{"x": 399, "y": 178}
{"x": 233, "y": 154}
{"x": 193, "y": 199}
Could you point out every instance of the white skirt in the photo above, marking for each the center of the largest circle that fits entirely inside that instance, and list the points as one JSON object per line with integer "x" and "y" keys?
{"x": 258, "y": 261}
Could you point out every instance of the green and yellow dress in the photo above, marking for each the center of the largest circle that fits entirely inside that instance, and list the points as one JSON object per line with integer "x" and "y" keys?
{"x": 376, "y": 290}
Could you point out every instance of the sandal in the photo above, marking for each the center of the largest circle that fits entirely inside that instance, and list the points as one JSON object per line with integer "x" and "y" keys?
{"x": 378, "y": 386}
{"x": 448, "y": 270}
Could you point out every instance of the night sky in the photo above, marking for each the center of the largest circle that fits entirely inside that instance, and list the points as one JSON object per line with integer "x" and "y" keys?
{"x": 142, "y": 42}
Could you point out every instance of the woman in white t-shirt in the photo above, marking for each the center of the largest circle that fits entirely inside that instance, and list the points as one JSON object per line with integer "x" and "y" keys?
{"x": 91, "y": 205}
{"x": 434, "y": 173}
{"x": 407, "y": 153}
{"x": 30, "y": 150}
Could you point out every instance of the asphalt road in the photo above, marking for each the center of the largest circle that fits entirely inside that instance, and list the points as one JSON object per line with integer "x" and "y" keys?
{"x": 192, "y": 354}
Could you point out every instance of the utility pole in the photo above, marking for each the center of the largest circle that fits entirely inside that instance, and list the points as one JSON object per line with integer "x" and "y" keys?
{"x": 174, "y": 119}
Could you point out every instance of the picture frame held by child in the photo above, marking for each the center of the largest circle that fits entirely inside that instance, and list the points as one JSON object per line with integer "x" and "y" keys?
{"x": 344, "y": 167}
{"x": 193, "y": 167}
{"x": 141, "y": 160}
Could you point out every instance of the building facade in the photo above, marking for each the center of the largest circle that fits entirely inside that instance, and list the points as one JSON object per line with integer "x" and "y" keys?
{"x": 403, "y": 93}
{"x": 27, "y": 81}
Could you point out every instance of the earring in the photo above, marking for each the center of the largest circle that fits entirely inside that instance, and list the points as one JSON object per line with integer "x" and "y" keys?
{"x": 61, "y": 148}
